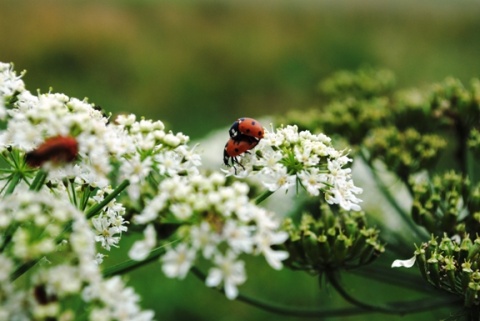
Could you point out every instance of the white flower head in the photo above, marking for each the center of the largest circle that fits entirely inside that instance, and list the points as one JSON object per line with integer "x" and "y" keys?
{"x": 228, "y": 270}
{"x": 217, "y": 222}
{"x": 177, "y": 261}
{"x": 287, "y": 157}
{"x": 140, "y": 249}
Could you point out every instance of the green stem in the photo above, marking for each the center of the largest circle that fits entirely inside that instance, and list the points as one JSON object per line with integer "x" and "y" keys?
{"x": 96, "y": 208}
{"x": 393, "y": 277}
{"x": 13, "y": 183}
{"x": 472, "y": 168}
{"x": 332, "y": 277}
{"x": 39, "y": 180}
{"x": 22, "y": 269}
{"x": 73, "y": 198}
{"x": 85, "y": 197}
{"x": 409, "y": 307}
{"x": 131, "y": 265}
{"x": 260, "y": 198}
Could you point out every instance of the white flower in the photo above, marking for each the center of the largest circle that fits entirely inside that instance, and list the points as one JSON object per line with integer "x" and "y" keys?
{"x": 404, "y": 263}
{"x": 135, "y": 170}
{"x": 6, "y": 268}
{"x": 264, "y": 242}
{"x": 204, "y": 239}
{"x": 151, "y": 210}
{"x": 105, "y": 232}
{"x": 177, "y": 261}
{"x": 305, "y": 155}
{"x": 121, "y": 302}
{"x": 238, "y": 237}
{"x": 99, "y": 258}
{"x": 10, "y": 84}
{"x": 140, "y": 249}
{"x": 270, "y": 158}
{"x": 169, "y": 163}
{"x": 172, "y": 140}
{"x": 312, "y": 181}
{"x": 279, "y": 179}
{"x": 64, "y": 279}
{"x": 228, "y": 270}
{"x": 343, "y": 193}
{"x": 182, "y": 211}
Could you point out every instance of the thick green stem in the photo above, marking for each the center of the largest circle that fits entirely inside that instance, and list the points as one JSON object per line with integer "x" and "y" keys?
{"x": 260, "y": 198}
{"x": 332, "y": 277}
{"x": 13, "y": 183}
{"x": 413, "y": 306}
{"x": 22, "y": 269}
{"x": 39, "y": 180}
{"x": 391, "y": 276}
{"x": 97, "y": 208}
{"x": 399, "y": 308}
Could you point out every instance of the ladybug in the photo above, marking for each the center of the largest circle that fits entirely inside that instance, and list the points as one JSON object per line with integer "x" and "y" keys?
{"x": 58, "y": 149}
{"x": 237, "y": 146}
{"x": 247, "y": 127}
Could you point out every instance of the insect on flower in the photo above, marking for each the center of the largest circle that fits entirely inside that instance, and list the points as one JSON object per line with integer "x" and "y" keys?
{"x": 58, "y": 149}
{"x": 247, "y": 127}
{"x": 237, "y": 146}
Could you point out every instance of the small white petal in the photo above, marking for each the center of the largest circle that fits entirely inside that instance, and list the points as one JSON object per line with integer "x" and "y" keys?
{"x": 404, "y": 263}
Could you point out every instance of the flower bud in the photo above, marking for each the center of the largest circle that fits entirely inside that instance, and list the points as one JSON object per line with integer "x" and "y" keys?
{"x": 464, "y": 249}
{"x": 340, "y": 247}
{"x": 324, "y": 248}
{"x": 471, "y": 296}
{"x": 433, "y": 270}
{"x": 466, "y": 275}
{"x": 310, "y": 246}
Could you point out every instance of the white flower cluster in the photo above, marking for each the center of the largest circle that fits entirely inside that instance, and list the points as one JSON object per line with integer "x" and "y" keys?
{"x": 134, "y": 149}
{"x": 124, "y": 149}
{"x": 286, "y": 157}
{"x": 77, "y": 204}
{"x": 139, "y": 146}
{"x": 218, "y": 224}
{"x": 10, "y": 85}
{"x": 33, "y": 229}
{"x": 156, "y": 151}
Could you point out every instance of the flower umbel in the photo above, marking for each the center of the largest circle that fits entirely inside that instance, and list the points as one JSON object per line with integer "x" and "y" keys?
{"x": 217, "y": 223}
{"x": 326, "y": 240}
{"x": 286, "y": 157}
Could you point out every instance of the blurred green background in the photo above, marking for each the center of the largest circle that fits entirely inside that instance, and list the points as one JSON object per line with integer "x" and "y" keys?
{"x": 198, "y": 65}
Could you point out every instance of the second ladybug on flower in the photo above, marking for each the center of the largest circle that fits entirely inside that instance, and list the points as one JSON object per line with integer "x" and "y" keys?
{"x": 245, "y": 134}
{"x": 248, "y": 127}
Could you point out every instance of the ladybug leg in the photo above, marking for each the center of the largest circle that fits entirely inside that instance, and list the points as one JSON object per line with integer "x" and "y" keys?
{"x": 236, "y": 161}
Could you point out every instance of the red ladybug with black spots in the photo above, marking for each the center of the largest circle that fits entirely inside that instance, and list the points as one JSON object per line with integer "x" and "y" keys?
{"x": 245, "y": 134}
{"x": 237, "y": 146}
{"x": 248, "y": 127}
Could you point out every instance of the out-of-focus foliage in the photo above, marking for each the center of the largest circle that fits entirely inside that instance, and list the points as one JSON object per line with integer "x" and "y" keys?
{"x": 216, "y": 60}
{"x": 410, "y": 132}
